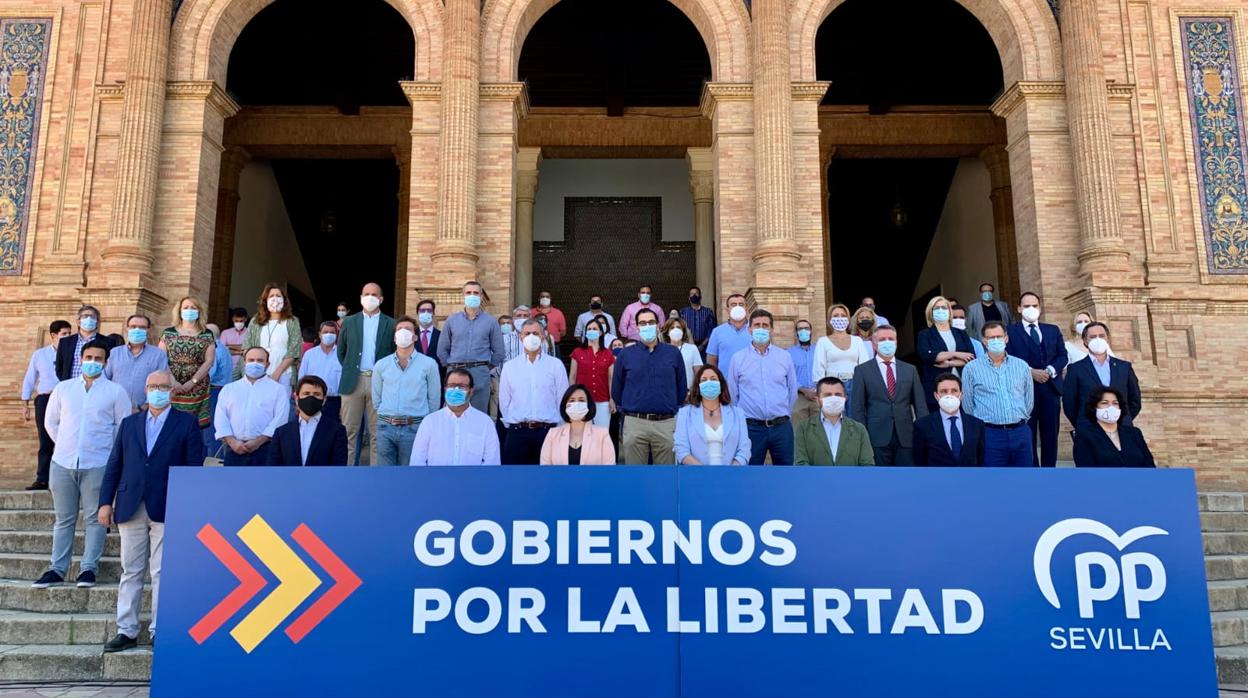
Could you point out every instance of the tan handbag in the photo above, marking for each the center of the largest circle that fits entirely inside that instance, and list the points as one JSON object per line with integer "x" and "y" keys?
{"x": 215, "y": 461}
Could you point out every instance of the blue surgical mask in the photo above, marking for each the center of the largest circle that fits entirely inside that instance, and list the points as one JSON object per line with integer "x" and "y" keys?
{"x": 89, "y": 323}
{"x": 342, "y": 314}
{"x": 648, "y": 333}
{"x": 940, "y": 315}
{"x": 92, "y": 369}
{"x": 472, "y": 302}
{"x": 986, "y": 296}
{"x": 803, "y": 335}
{"x": 593, "y": 335}
{"x": 616, "y": 351}
{"x": 645, "y": 298}
{"x": 329, "y": 338}
{"x": 760, "y": 336}
{"x": 709, "y": 389}
{"x": 254, "y": 370}
{"x": 158, "y": 398}
{"x": 996, "y": 345}
{"x": 887, "y": 348}
{"x": 136, "y": 335}
{"x": 507, "y": 329}
{"x": 190, "y": 314}
{"x": 426, "y": 318}
{"x": 456, "y": 396}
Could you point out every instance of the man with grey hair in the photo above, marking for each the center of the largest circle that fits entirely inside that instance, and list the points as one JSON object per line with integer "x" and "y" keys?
{"x": 133, "y": 492}
{"x": 472, "y": 340}
{"x": 69, "y": 351}
{"x": 529, "y": 392}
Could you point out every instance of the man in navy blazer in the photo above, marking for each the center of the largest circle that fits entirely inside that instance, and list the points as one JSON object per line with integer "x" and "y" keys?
{"x": 934, "y": 434}
{"x": 1042, "y": 347}
{"x": 69, "y": 349}
{"x": 132, "y": 496}
{"x": 1091, "y": 372}
{"x": 312, "y": 439}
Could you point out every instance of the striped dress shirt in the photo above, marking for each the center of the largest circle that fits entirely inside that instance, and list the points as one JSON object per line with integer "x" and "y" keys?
{"x": 998, "y": 394}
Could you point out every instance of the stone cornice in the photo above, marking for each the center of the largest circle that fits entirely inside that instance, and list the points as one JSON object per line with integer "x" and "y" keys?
{"x": 1120, "y": 91}
{"x": 715, "y": 92}
{"x": 110, "y": 93}
{"x": 515, "y": 92}
{"x": 421, "y": 91}
{"x": 810, "y": 91}
{"x": 1052, "y": 89}
{"x": 202, "y": 90}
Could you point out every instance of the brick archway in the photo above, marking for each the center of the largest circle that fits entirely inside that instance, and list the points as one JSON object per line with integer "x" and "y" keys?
{"x": 723, "y": 24}
{"x": 204, "y": 33}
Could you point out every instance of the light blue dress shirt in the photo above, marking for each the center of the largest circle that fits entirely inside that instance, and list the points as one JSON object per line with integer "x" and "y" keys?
{"x": 948, "y": 420}
{"x": 222, "y": 371}
{"x": 153, "y": 425}
{"x": 763, "y": 384}
{"x": 727, "y": 340}
{"x": 803, "y": 360}
{"x": 131, "y": 372}
{"x": 1102, "y": 369}
{"x": 412, "y": 392}
{"x": 368, "y": 343}
{"x": 324, "y": 365}
{"x": 40, "y": 373}
{"x": 998, "y": 394}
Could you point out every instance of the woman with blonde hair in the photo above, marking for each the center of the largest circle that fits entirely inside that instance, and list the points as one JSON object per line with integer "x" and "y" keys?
{"x": 942, "y": 347}
{"x": 838, "y": 353}
{"x": 276, "y": 330}
{"x": 863, "y": 326}
{"x": 191, "y": 349}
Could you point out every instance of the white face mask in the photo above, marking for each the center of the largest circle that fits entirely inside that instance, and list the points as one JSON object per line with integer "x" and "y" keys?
{"x": 1031, "y": 313}
{"x": 370, "y": 303}
{"x": 404, "y": 338}
{"x": 833, "y": 405}
{"x": 545, "y": 302}
{"x": 1109, "y": 415}
{"x": 1079, "y": 326}
{"x": 949, "y": 404}
{"x": 532, "y": 342}
{"x": 577, "y": 411}
{"x": 676, "y": 334}
{"x": 959, "y": 323}
{"x": 239, "y": 326}
{"x": 1098, "y": 345}
{"x": 276, "y": 303}
{"x": 737, "y": 313}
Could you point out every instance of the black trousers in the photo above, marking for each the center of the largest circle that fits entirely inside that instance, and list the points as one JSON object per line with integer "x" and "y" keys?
{"x": 523, "y": 446}
{"x": 46, "y": 444}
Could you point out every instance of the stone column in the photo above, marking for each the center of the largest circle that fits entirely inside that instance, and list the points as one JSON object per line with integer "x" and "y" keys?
{"x": 528, "y": 163}
{"x": 776, "y": 260}
{"x": 730, "y": 108}
{"x": 403, "y": 158}
{"x": 1002, "y": 197}
{"x": 418, "y": 277}
{"x": 702, "y": 186}
{"x": 127, "y": 258}
{"x": 1102, "y": 254}
{"x": 455, "y": 253}
{"x": 232, "y": 162}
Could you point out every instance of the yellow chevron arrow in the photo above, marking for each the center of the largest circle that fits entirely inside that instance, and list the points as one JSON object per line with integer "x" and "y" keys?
{"x": 296, "y": 583}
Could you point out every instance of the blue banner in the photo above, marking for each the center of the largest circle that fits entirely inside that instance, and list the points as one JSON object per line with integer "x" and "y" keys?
{"x": 692, "y": 582}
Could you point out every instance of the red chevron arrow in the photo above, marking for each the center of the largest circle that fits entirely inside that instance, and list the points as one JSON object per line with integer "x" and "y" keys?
{"x": 345, "y": 583}
{"x": 250, "y": 584}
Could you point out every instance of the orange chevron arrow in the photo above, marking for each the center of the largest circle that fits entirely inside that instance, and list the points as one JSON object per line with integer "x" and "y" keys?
{"x": 296, "y": 583}
{"x": 345, "y": 583}
{"x": 250, "y": 582}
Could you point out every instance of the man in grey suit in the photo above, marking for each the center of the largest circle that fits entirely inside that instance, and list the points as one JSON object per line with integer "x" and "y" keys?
{"x": 365, "y": 338}
{"x": 986, "y": 310}
{"x": 888, "y": 397}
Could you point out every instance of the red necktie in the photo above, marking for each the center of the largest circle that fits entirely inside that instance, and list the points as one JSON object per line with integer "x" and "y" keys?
{"x": 424, "y": 342}
{"x": 892, "y": 379}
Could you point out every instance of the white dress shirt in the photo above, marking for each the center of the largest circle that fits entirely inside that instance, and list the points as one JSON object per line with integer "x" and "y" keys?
{"x": 832, "y": 432}
{"x": 530, "y": 391}
{"x": 307, "y": 429}
{"x": 40, "y": 373}
{"x": 153, "y": 424}
{"x": 84, "y": 423}
{"x": 246, "y": 410}
{"x": 445, "y": 439}
{"x": 879, "y": 362}
{"x": 324, "y": 365}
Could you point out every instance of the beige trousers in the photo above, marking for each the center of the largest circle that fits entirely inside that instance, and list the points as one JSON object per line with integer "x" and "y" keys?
{"x": 648, "y": 442}
{"x": 355, "y": 406}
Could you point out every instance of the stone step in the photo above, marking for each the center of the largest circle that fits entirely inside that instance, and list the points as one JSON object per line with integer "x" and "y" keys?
{"x": 26, "y": 628}
{"x": 18, "y": 595}
{"x": 1221, "y": 501}
{"x": 1230, "y": 628}
{"x": 31, "y": 566}
{"x": 41, "y": 542}
{"x": 1217, "y": 521}
{"x": 20, "y": 499}
{"x": 1228, "y": 595}
{"x": 1219, "y": 543}
{"x": 74, "y": 663}
{"x": 1226, "y": 567}
{"x": 29, "y": 520}
{"x": 1232, "y": 664}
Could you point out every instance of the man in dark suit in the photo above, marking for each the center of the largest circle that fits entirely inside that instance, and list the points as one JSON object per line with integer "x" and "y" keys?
{"x": 887, "y": 397}
{"x": 366, "y": 338}
{"x": 69, "y": 350}
{"x": 311, "y": 439}
{"x": 132, "y": 496}
{"x": 950, "y": 436}
{"x": 1099, "y": 370}
{"x": 1041, "y": 346}
{"x": 427, "y": 333}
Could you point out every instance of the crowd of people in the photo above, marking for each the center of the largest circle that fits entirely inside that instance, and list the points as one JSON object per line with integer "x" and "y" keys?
{"x": 114, "y": 412}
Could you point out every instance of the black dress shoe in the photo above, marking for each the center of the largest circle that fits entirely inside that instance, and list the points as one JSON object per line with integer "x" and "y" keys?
{"x": 37, "y": 486}
{"x": 121, "y": 642}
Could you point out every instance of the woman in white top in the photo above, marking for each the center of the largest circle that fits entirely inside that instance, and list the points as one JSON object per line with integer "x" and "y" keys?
{"x": 710, "y": 430}
{"x": 276, "y": 330}
{"x": 838, "y": 353}
{"x": 674, "y": 332}
{"x": 863, "y": 327}
{"x": 1075, "y": 349}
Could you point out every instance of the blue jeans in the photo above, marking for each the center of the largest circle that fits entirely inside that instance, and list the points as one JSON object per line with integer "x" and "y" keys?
{"x": 73, "y": 490}
{"x": 211, "y": 445}
{"x": 777, "y": 439}
{"x": 1008, "y": 448}
{"x": 849, "y": 397}
{"x": 394, "y": 443}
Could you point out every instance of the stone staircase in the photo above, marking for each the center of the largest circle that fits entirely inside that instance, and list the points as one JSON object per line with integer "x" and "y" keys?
{"x": 58, "y": 634}
{"x": 1224, "y": 522}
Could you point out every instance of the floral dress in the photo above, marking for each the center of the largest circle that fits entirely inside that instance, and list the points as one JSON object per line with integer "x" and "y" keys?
{"x": 186, "y": 355}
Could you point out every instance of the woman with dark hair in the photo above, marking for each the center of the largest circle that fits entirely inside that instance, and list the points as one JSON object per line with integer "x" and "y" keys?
{"x": 276, "y": 330}
{"x": 594, "y": 365}
{"x": 710, "y": 430}
{"x": 1108, "y": 442}
{"x": 577, "y": 441}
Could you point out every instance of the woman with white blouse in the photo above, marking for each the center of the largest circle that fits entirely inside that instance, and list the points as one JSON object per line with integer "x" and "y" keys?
{"x": 838, "y": 353}
{"x": 276, "y": 329}
{"x": 674, "y": 332}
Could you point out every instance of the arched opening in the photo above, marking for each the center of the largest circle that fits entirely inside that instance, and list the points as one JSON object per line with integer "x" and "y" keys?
{"x": 614, "y": 88}
{"x": 315, "y": 160}
{"x": 913, "y": 158}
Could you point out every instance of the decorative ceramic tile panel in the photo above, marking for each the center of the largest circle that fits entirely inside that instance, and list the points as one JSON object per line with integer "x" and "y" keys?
{"x": 23, "y": 64}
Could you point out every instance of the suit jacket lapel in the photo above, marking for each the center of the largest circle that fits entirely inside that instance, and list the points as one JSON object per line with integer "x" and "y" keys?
{"x": 317, "y": 436}
{"x": 143, "y": 432}
{"x": 165, "y": 428}
{"x": 841, "y": 441}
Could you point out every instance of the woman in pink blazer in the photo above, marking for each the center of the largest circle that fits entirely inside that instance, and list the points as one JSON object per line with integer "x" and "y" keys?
{"x": 577, "y": 441}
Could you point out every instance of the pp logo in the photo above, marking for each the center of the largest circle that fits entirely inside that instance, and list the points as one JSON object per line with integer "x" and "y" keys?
{"x": 1118, "y": 576}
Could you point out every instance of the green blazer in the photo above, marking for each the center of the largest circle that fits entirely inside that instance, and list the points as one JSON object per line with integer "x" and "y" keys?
{"x": 351, "y": 345}
{"x": 854, "y": 447}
